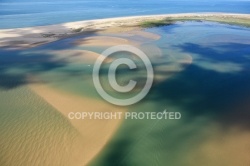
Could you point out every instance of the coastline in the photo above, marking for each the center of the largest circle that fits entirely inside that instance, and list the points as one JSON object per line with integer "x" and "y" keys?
{"x": 34, "y": 36}
{"x": 64, "y": 102}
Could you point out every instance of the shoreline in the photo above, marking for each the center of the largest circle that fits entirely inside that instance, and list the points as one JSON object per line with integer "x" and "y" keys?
{"x": 38, "y": 35}
{"x": 158, "y": 16}
{"x": 94, "y": 135}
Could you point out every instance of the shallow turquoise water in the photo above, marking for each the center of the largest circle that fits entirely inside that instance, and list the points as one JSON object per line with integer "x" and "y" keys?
{"x": 208, "y": 92}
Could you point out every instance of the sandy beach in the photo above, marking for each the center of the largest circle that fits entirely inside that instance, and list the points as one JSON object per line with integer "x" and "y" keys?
{"x": 34, "y": 36}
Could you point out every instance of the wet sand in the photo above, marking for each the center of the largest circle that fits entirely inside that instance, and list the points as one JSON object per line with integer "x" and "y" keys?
{"x": 76, "y": 56}
{"x": 222, "y": 148}
{"x": 95, "y": 133}
{"x": 102, "y": 41}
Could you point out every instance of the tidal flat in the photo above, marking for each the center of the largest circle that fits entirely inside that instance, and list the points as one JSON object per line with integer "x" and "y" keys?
{"x": 201, "y": 69}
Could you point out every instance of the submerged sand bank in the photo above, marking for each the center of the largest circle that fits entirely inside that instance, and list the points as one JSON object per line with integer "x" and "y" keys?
{"x": 33, "y": 36}
{"x": 95, "y": 133}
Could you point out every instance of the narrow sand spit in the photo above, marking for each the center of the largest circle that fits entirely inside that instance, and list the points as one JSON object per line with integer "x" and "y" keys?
{"x": 33, "y": 36}
{"x": 102, "y": 41}
{"x": 95, "y": 133}
{"x": 121, "y": 39}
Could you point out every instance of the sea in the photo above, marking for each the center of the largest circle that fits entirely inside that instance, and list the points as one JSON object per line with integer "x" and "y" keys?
{"x": 28, "y": 13}
{"x": 202, "y": 70}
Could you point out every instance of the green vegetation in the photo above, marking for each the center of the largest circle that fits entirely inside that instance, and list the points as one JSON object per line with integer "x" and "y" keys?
{"x": 226, "y": 20}
{"x": 48, "y": 35}
{"x": 155, "y": 23}
{"x": 242, "y": 21}
{"x": 77, "y": 30}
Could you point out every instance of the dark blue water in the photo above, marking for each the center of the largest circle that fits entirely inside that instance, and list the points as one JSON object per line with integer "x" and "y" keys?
{"x": 26, "y": 13}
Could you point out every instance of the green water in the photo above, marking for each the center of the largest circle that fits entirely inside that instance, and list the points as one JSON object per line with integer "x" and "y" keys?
{"x": 32, "y": 132}
{"x": 207, "y": 92}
